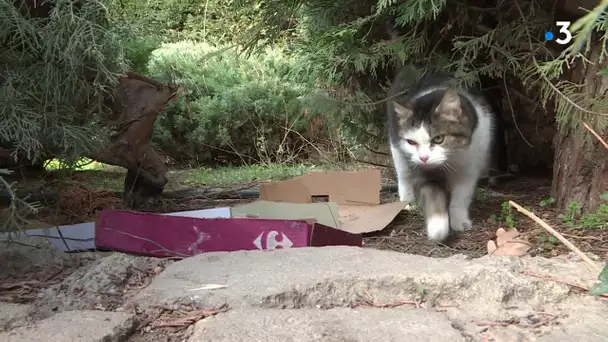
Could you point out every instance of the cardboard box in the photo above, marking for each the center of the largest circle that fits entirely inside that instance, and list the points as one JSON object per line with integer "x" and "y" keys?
{"x": 353, "y": 198}
{"x": 285, "y": 217}
{"x": 179, "y": 236}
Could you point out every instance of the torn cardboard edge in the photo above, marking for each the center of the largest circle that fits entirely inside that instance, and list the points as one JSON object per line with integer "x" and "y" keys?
{"x": 353, "y": 198}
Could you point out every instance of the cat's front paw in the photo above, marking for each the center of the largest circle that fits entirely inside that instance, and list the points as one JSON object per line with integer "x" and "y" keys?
{"x": 438, "y": 227}
{"x": 460, "y": 221}
{"x": 411, "y": 207}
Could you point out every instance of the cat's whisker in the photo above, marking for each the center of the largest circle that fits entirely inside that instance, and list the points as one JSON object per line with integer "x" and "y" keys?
{"x": 445, "y": 169}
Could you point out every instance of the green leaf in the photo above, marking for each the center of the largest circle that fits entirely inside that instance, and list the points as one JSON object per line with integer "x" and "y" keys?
{"x": 603, "y": 72}
{"x": 599, "y": 289}
{"x": 604, "y": 196}
{"x": 603, "y": 277}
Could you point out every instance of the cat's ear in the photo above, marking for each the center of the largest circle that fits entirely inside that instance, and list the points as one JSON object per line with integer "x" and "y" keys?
{"x": 403, "y": 112}
{"x": 449, "y": 108}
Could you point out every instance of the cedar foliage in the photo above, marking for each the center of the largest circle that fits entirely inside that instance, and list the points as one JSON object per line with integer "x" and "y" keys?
{"x": 346, "y": 42}
{"x": 59, "y": 60}
{"x": 56, "y": 67}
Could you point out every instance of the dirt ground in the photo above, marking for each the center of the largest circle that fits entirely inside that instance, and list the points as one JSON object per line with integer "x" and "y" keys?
{"x": 405, "y": 234}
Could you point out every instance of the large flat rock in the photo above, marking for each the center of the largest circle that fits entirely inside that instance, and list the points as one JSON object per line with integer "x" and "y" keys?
{"x": 75, "y": 326}
{"x": 284, "y": 294}
{"x": 339, "y": 324}
{"x": 340, "y": 276}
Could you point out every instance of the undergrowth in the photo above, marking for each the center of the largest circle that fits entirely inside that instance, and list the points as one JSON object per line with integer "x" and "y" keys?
{"x": 241, "y": 109}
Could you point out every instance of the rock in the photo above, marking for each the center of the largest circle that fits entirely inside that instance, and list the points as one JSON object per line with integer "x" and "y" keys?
{"x": 18, "y": 260}
{"x": 339, "y": 324}
{"x": 341, "y": 276}
{"x": 75, "y": 326}
{"x": 309, "y": 279}
{"x": 584, "y": 320}
{"x": 103, "y": 284}
{"x": 12, "y": 314}
{"x": 306, "y": 294}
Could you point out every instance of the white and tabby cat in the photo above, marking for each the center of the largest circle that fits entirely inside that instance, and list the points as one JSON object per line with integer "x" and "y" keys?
{"x": 440, "y": 138}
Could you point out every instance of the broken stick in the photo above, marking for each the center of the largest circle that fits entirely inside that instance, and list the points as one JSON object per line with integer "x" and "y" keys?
{"x": 596, "y": 135}
{"x": 555, "y": 233}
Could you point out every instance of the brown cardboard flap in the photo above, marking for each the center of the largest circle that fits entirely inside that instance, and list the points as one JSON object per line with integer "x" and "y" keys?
{"x": 366, "y": 219}
{"x": 344, "y": 188}
{"x": 292, "y": 191}
{"x": 356, "y": 193}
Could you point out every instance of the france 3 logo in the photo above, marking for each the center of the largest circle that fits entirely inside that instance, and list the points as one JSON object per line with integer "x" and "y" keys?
{"x": 564, "y": 34}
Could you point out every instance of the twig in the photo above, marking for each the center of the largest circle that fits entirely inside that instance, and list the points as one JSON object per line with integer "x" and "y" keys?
{"x": 374, "y": 164}
{"x": 513, "y": 112}
{"x": 376, "y": 152}
{"x": 178, "y": 254}
{"x": 188, "y": 319}
{"x": 555, "y": 233}
{"x": 516, "y": 322}
{"x": 596, "y": 135}
{"x": 559, "y": 281}
{"x": 493, "y": 324}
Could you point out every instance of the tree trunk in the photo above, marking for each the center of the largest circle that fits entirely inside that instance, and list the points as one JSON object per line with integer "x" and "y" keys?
{"x": 136, "y": 104}
{"x": 580, "y": 167}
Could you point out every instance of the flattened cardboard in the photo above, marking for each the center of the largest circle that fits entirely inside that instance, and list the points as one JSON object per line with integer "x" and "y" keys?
{"x": 365, "y": 219}
{"x": 357, "y": 195}
{"x": 325, "y": 213}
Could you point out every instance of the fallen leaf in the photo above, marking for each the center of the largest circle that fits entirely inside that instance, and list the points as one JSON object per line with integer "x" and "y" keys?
{"x": 508, "y": 243}
{"x": 601, "y": 288}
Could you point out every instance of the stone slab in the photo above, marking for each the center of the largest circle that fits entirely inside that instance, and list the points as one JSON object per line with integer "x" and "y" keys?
{"x": 75, "y": 326}
{"x": 12, "y": 314}
{"x": 339, "y": 324}
{"x": 340, "y": 276}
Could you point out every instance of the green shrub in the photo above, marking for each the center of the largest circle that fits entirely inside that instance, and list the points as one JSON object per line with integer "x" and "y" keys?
{"x": 139, "y": 50}
{"x": 241, "y": 109}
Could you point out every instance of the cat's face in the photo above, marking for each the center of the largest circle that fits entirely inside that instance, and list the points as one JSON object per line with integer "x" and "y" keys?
{"x": 433, "y": 128}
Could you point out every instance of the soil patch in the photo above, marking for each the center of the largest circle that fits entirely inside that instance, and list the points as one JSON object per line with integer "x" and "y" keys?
{"x": 406, "y": 234}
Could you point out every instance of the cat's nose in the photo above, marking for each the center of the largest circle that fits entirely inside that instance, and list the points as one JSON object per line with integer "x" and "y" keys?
{"x": 424, "y": 159}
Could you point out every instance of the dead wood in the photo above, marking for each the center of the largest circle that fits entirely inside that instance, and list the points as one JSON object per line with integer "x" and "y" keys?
{"x": 135, "y": 106}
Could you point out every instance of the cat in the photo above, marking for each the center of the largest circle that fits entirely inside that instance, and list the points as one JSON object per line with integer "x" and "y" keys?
{"x": 440, "y": 139}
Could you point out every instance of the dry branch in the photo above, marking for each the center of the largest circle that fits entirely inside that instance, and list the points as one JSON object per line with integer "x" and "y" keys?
{"x": 596, "y": 135}
{"x": 561, "y": 281}
{"x": 555, "y": 233}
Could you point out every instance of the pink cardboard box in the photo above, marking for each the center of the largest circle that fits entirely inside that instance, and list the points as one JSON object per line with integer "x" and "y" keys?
{"x": 177, "y": 236}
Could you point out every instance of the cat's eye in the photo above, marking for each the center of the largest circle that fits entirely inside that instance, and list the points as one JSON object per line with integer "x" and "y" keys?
{"x": 438, "y": 139}
{"x": 411, "y": 142}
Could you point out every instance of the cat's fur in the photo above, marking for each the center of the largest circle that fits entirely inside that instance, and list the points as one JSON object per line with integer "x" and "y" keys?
{"x": 453, "y": 128}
